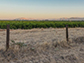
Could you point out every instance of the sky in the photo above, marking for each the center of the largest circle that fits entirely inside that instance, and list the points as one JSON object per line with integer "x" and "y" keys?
{"x": 41, "y": 9}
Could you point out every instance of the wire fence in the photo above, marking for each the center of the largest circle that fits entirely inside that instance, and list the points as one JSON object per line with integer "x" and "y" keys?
{"x": 39, "y": 35}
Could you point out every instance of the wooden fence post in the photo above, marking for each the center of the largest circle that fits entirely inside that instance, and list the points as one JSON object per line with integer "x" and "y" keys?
{"x": 7, "y": 37}
{"x": 67, "y": 33}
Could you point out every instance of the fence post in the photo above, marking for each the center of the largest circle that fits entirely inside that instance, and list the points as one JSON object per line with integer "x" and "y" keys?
{"x": 67, "y": 33}
{"x": 7, "y": 37}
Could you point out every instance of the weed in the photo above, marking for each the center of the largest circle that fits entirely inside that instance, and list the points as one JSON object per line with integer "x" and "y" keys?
{"x": 20, "y": 44}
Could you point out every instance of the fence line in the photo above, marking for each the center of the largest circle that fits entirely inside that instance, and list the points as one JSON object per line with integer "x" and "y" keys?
{"x": 7, "y": 37}
{"x": 67, "y": 33}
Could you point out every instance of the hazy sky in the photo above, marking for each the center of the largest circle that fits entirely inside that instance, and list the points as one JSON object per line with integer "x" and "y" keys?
{"x": 41, "y": 9}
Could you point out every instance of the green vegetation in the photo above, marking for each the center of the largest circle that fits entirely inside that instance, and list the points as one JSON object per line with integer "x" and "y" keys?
{"x": 20, "y": 44}
{"x": 40, "y": 24}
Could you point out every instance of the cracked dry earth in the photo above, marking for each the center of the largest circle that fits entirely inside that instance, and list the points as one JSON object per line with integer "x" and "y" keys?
{"x": 43, "y": 46}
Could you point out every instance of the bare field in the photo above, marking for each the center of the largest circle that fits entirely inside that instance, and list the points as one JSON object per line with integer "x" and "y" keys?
{"x": 43, "y": 46}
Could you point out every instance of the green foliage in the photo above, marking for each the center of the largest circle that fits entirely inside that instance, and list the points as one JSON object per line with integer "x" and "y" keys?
{"x": 20, "y": 44}
{"x": 40, "y": 24}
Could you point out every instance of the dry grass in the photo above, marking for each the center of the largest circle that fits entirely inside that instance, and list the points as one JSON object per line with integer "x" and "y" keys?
{"x": 38, "y": 52}
{"x": 55, "y": 51}
{"x": 44, "y": 46}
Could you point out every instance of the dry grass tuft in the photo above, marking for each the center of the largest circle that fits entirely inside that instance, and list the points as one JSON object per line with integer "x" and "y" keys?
{"x": 79, "y": 40}
{"x": 39, "y": 50}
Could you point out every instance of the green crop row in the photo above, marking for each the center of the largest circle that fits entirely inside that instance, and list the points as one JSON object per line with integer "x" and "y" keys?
{"x": 40, "y": 24}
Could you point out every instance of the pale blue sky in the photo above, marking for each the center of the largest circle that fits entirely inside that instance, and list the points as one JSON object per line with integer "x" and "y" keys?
{"x": 41, "y": 9}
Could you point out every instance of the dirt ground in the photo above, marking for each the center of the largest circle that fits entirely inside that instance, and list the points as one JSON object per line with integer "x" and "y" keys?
{"x": 43, "y": 46}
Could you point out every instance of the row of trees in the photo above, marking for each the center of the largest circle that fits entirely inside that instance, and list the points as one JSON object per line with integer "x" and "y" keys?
{"x": 39, "y": 24}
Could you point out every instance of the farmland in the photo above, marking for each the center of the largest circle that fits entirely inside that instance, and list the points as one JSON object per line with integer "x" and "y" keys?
{"x": 43, "y": 46}
{"x": 40, "y": 24}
